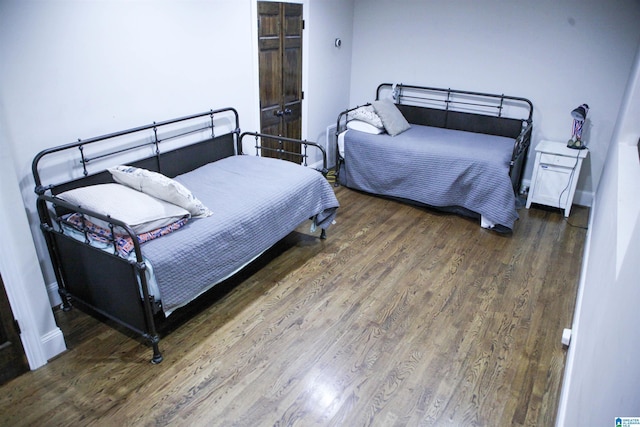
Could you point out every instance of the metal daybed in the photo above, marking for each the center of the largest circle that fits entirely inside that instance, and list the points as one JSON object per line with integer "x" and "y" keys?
{"x": 458, "y": 151}
{"x": 140, "y": 222}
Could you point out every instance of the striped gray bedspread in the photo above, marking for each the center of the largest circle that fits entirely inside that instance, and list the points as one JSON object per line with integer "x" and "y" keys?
{"x": 256, "y": 202}
{"x": 438, "y": 167}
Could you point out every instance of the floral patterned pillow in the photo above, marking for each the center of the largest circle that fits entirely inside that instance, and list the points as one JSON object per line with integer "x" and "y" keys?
{"x": 368, "y": 115}
{"x": 105, "y": 239}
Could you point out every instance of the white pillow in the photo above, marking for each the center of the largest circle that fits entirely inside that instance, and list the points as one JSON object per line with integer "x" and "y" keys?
{"x": 139, "y": 210}
{"x": 364, "y": 127}
{"x": 160, "y": 186}
{"x": 367, "y": 114}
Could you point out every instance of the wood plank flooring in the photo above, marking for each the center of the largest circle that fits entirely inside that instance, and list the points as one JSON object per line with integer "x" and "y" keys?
{"x": 402, "y": 317}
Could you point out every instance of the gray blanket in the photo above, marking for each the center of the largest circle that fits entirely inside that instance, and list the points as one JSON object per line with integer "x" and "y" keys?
{"x": 255, "y": 202}
{"x": 438, "y": 167}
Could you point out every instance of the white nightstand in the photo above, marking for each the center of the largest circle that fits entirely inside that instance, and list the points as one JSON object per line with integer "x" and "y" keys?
{"x": 555, "y": 175}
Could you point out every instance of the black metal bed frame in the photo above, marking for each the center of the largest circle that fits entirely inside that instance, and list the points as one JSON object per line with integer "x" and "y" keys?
{"x": 460, "y": 110}
{"x": 106, "y": 283}
{"x": 280, "y": 151}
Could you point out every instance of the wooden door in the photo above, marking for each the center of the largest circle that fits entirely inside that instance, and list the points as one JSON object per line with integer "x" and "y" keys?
{"x": 13, "y": 361}
{"x": 280, "y": 28}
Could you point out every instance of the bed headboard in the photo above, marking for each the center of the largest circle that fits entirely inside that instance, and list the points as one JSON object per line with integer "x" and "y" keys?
{"x": 171, "y": 147}
{"x": 479, "y": 112}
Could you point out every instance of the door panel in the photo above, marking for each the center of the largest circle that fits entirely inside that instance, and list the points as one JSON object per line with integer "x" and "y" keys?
{"x": 270, "y": 80}
{"x": 293, "y": 120}
{"x": 268, "y": 19}
{"x": 271, "y": 123}
{"x": 292, "y": 53}
{"x": 293, "y": 19}
{"x": 270, "y": 55}
{"x": 280, "y": 62}
{"x": 291, "y": 70}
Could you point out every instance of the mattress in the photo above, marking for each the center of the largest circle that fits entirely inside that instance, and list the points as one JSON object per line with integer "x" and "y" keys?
{"x": 437, "y": 167}
{"x": 256, "y": 202}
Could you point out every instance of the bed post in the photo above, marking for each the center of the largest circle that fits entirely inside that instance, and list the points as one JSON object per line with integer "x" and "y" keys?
{"x": 46, "y": 227}
{"x": 157, "y": 356}
{"x": 151, "y": 333}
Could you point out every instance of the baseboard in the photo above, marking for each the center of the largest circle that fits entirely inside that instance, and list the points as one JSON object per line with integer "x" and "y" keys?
{"x": 53, "y": 343}
{"x": 317, "y": 165}
{"x": 565, "y": 389}
{"x": 581, "y": 197}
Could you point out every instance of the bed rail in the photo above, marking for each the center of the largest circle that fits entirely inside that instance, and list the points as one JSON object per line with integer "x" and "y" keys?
{"x": 456, "y": 100}
{"x": 280, "y": 152}
{"x": 134, "y": 139}
{"x": 343, "y": 117}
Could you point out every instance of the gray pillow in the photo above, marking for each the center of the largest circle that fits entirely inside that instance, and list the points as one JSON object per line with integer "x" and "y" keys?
{"x": 392, "y": 119}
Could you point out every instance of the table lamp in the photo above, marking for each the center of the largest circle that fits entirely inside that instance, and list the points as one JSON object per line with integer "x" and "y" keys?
{"x": 579, "y": 115}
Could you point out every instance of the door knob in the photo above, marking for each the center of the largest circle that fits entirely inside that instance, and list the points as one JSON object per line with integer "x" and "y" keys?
{"x": 278, "y": 113}
{"x": 287, "y": 111}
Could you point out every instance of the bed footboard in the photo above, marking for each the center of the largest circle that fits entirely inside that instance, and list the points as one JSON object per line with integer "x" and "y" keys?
{"x": 519, "y": 156}
{"x": 104, "y": 282}
{"x": 281, "y": 153}
{"x": 341, "y": 126}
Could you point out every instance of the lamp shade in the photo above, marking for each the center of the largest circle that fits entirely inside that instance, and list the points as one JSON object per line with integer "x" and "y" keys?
{"x": 580, "y": 113}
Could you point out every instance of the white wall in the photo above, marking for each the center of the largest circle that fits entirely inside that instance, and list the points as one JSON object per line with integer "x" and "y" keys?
{"x": 76, "y": 69}
{"x": 41, "y": 337}
{"x": 559, "y": 54}
{"x": 602, "y": 374}
{"x": 329, "y": 67}
{"x": 83, "y": 68}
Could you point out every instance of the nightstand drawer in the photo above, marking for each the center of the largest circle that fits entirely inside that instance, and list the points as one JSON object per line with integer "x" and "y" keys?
{"x": 563, "y": 161}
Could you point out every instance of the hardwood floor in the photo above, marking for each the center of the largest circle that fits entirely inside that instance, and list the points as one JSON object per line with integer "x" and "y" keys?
{"x": 402, "y": 317}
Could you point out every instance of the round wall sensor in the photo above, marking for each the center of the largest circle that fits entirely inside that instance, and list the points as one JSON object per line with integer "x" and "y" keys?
{"x": 338, "y": 42}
